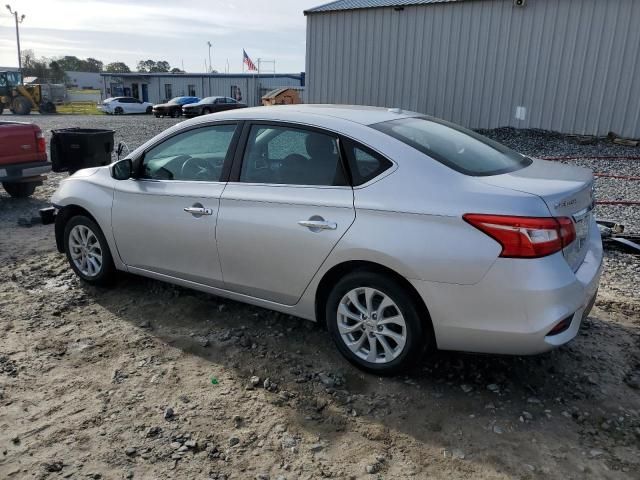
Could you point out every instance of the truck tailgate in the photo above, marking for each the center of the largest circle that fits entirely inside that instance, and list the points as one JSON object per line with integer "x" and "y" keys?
{"x": 18, "y": 143}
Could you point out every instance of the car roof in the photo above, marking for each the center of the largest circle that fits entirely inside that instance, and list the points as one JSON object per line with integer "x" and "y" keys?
{"x": 354, "y": 113}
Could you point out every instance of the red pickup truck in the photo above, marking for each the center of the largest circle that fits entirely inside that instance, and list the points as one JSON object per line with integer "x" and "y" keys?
{"x": 23, "y": 158}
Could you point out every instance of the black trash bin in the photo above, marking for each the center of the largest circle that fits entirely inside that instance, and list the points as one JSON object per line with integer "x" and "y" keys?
{"x": 76, "y": 148}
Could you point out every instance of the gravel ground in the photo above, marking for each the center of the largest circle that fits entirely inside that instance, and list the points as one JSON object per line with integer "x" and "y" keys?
{"x": 148, "y": 380}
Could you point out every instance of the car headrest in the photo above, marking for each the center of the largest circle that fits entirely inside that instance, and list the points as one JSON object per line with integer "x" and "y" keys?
{"x": 319, "y": 146}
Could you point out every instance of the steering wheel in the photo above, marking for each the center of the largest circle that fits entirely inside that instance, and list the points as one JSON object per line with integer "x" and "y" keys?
{"x": 195, "y": 168}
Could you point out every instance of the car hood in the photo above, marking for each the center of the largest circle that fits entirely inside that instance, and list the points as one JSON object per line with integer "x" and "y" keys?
{"x": 566, "y": 189}
{"x": 165, "y": 105}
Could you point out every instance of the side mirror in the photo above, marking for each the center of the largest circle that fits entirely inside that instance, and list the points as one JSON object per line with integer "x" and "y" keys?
{"x": 122, "y": 170}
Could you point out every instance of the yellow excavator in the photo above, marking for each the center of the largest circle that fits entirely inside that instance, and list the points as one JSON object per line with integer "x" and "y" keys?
{"x": 22, "y": 99}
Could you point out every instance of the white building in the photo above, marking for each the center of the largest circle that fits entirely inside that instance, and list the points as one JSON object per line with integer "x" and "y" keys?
{"x": 160, "y": 87}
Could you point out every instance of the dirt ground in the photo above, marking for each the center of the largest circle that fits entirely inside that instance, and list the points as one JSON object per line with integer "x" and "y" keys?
{"x": 146, "y": 380}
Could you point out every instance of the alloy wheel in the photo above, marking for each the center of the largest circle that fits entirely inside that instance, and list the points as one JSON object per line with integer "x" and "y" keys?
{"x": 85, "y": 250}
{"x": 371, "y": 325}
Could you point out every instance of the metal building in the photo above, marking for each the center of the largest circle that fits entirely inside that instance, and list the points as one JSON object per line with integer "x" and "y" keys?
{"x": 571, "y": 66}
{"x": 160, "y": 87}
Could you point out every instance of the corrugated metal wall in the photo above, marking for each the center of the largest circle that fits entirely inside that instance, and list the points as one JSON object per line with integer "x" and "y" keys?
{"x": 205, "y": 85}
{"x": 573, "y": 64}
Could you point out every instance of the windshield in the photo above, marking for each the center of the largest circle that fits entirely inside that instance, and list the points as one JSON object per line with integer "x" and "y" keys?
{"x": 209, "y": 100}
{"x": 14, "y": 78}
{"x": 458, "y": 148}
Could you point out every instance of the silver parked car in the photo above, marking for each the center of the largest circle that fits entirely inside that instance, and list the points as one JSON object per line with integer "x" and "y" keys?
{"x": 402, "y": 233}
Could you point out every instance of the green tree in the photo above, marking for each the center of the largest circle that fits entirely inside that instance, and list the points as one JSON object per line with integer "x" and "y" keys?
{"x": 93, "y": 65}
{"x": 117, "y": 67}
{"x": 162, "y": 66}
{"x": 70, "y": 63}
{"x": 151, "y": 66}
{"x": 176, "y": 70}
{"x": 146, "y": 65}
{"x": 56, "y": 74}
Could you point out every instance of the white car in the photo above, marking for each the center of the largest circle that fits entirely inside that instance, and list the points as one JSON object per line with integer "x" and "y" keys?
{"x": 124, "y": 105}
{"x": 400, "y": 232}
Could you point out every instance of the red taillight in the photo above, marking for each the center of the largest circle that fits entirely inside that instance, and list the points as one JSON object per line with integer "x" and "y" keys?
{"x": 41, "y": 145}
{"x": 525, "y": 237}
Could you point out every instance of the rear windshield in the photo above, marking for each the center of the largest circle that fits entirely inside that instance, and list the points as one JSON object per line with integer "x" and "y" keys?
{"x": 458, "y": 148}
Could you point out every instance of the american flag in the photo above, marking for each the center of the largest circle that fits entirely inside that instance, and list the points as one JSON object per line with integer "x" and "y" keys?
{"x": 247, "y": 61}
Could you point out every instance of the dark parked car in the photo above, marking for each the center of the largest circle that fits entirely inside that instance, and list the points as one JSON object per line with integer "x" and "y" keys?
{"x": 211, "y": 105}
{"x": 173, "y": 108}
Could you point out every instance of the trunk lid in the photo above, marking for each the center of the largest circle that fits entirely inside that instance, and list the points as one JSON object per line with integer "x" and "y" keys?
{"x": 566, "y": 190}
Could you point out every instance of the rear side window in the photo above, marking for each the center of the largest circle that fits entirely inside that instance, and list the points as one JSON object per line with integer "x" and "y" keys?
{"x": 460, "y": 149}
{"x": 291, "y": 156}
{"x": 364, "y": 163}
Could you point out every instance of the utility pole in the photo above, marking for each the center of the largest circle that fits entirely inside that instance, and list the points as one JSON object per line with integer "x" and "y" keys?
{"x": 210, "y": 67}
{"x": 18, "y": 21}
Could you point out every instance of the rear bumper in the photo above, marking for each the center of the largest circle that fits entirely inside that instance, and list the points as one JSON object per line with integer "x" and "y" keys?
{"x": 515, "y": 306}
{"x": 20, "y": 172}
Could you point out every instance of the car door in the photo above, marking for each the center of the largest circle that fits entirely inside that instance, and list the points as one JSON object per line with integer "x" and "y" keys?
{"x": 125, "y": 104}
{"x": 287, "y": 205}
{"x": 137, "y": 106}
{"x": 164, "y": 221}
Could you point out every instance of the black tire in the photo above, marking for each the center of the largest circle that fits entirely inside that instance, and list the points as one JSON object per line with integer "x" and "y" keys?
{"x": 20, "y": 190}
{"x": 175, "y": 113}
{"x": 118, "y": 111}
{"x": 149, "y": 110}
{"x": 206, "y": 111}
{"x": 21, "y": 105}
{"x": 416, "y": 327}
{"x": 47, "y": 107}
{"x": 106, "y": 274}
{"x": 157, "y": 115}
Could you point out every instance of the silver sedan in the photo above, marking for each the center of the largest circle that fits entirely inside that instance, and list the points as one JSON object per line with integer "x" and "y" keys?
{"x": 401, "y": 232}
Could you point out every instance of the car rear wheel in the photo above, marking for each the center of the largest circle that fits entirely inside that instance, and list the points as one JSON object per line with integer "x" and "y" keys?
{"x": 20, "y": 190}
{"x": 87, "y": 251}
{"x": 375, "y": 323}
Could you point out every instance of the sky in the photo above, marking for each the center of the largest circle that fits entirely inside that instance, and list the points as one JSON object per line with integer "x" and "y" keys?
{"x": 171, "y": 30}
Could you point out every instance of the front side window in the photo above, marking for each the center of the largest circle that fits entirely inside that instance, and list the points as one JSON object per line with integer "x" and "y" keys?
{"x": 195, "y": 155}
{"x": 291, "y": 156}
{"x": 458, "y": 148}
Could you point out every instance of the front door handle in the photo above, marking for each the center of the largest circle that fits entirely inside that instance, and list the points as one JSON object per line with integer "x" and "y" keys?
{"x": 198, "y": 210}
{"x": 317, "y": 225}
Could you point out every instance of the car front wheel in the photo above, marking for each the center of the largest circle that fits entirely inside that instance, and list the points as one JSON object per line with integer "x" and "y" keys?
{"x": 375, "y": 323}
{"x": 87, "y": 251}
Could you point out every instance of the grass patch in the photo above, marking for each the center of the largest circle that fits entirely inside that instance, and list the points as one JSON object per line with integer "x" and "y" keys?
{"x": 79, "y": 108}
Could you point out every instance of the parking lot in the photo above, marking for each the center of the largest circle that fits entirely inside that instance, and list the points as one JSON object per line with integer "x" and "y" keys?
{"x": 148, "y": 380}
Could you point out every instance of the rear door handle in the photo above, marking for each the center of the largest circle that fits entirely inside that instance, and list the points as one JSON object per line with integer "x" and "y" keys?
{"x": 316, "y": 225}
{"x": 198, "y": 210}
